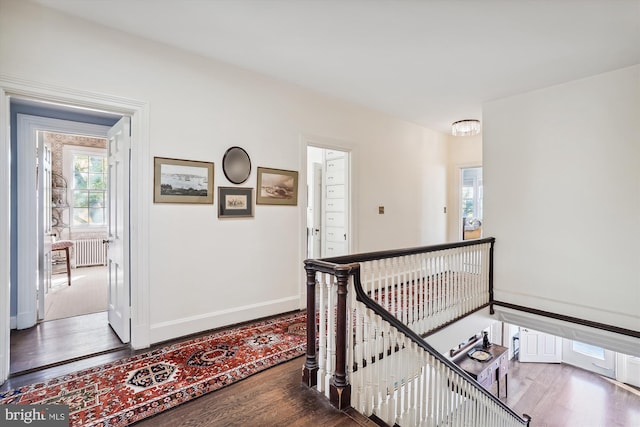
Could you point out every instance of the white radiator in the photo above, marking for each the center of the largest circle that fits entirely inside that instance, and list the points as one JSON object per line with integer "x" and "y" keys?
{"x": 89, "y": 252}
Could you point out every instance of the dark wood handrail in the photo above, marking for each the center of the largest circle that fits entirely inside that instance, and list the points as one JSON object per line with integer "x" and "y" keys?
{"x": 569, "y": 319}
{"x": 362, "y": 296}
{"x": 371, "y": 256}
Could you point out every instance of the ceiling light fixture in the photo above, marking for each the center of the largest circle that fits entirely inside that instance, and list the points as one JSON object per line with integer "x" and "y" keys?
{"x": 465, "y": 127}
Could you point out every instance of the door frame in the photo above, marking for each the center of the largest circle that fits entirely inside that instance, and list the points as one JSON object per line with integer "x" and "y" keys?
{"x": 28, "y": 205}
{"x": 352, "y": 229}
{"x": 140, "y": 196}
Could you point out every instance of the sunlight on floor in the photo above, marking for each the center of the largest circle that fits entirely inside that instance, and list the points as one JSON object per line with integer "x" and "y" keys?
{"x": 624, "y": 386}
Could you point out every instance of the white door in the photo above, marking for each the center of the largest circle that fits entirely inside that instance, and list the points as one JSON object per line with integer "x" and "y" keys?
{"x": 118, "y": 148}
{"x": 590, "y": 357}
{"x": 628, "y": 369}
{"x": 539, "y": 347}
{"x": 315, "y": 212}
{"x": 335, "y": 213}
{"x": 44, "y": 225}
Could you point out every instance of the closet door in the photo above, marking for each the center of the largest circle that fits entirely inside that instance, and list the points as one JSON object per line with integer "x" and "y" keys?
{"x": 335, "y": 206}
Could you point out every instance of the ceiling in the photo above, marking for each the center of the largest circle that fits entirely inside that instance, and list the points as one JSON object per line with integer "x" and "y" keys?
{"x": 431, "y": 62}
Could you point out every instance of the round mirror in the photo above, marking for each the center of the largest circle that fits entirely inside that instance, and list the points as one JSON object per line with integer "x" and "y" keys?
{"x": 236, "y": 165}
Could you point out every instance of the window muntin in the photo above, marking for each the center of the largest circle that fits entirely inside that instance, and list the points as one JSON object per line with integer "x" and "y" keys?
{"x": 89, "y": 190}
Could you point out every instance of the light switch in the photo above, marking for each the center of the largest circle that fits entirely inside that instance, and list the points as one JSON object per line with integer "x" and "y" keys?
{"x": 381, "y": 210}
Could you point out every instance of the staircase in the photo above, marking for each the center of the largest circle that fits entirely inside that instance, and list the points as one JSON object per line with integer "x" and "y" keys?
{"x": 367, "y": 316}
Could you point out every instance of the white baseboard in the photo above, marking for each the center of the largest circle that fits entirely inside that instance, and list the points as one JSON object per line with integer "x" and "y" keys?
{"x": 13, "y": 322}
{"x": 164, "y": 331}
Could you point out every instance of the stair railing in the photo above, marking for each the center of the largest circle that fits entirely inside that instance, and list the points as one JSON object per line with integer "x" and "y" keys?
{"x": 368, "y": 313}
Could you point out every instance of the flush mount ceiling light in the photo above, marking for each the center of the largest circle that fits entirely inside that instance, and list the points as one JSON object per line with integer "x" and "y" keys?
{"x": 465, "y": 127}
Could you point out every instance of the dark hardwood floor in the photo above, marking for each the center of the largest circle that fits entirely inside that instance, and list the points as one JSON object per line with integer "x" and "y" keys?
{"x": 555, "y": 395}
{"x": 275, "y": 397}
{"x": 61, "y": 341}
{"x": 560, "y": 395}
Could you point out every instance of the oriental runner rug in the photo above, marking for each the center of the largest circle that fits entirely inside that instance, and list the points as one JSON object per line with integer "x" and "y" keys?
{"x": 122, "y": 392}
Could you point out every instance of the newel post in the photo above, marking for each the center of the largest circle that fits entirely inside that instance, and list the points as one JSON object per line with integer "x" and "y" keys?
{"x": 340, "y": 389}
{"x": 310, "y": 368}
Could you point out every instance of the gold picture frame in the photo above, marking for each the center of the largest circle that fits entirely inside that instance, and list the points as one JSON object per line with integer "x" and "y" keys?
{"x": 277, "y": 187}
{"x": 182, "y": 181}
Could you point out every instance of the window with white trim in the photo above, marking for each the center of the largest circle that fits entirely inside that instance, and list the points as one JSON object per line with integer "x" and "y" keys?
{"x": 88, "y": 186}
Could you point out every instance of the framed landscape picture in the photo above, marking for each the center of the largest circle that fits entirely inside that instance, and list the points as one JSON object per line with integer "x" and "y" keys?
{"x": 277, "y": 187}
{"x": 235, "y": 202}
{"x": 182, "y": 181}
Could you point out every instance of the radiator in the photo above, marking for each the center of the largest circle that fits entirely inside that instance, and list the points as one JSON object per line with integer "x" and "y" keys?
{"x": 89, "y": 252}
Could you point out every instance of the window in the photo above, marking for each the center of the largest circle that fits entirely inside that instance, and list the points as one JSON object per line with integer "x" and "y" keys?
{"x": 88, "y": 188}
{"x": 588, "y": 350}
{"x": 471, "y": 203}
{"x": 472, "y": 193}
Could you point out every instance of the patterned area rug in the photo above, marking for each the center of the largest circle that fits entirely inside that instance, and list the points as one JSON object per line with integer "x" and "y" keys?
{"x": 128, "y": 390}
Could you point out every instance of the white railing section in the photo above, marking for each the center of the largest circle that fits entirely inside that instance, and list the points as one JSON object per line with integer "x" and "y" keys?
{"x": 430, "y": 289}
{"x": 326, "y": 330}
{"x": 387, "y": 373}
{"x": 404, "y": 384}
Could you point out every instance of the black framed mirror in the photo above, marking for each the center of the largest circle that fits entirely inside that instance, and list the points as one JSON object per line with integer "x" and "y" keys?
{"x": 236, "y": 165}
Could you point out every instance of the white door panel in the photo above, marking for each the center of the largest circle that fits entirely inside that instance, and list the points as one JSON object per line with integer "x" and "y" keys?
{"x": 590, "y": 357}
{"x": 334, "y": 249}
{"x": 335, "y": 191}
{"x": 539, "y": 347}
{"x": 44, "y": 225}
{"x": 628, "y": 369}
{"x": 335, "y": 219}
{"x": 333, "y": 154}
{"x": 335, "y": 205}
{"x": 118, "y": 148}
{"x": 336, "y": 234}
{"x": 335, "y": 165}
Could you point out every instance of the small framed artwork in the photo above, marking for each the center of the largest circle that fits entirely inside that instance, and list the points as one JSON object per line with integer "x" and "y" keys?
{"x": 235, "y": 202}
{"x": 182, "y": 181}
{"x": 277, "y": 187}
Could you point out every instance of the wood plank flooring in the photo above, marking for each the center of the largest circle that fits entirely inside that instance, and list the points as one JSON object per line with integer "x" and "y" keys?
{"x": 58, "y": 341}
{"x": 555, "y": 395}
{"x": 275, "y": 397}
{"x": 560, "y": 395}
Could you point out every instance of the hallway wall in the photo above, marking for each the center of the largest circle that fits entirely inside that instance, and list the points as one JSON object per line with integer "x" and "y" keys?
{"x": 563, "y": 195}
{"x": 205, "y": 272}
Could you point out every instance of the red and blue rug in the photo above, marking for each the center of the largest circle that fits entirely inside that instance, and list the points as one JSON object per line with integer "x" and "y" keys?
{"x": 128, "y": 390}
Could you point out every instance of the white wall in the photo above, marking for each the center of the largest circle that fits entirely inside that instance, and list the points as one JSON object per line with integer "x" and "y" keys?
{"x": 206, "y": 272}
{"x": 464, "y": 152}
{"x": 562, "y": 197}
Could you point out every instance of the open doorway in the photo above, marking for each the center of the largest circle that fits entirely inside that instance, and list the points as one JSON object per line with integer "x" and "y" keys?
{"x": 131, "y": 144}
{"x": 328, "y": 190}
{"x": 471, "y": 202}
{"x": 78, "y": 216}
{"x": 61, "y": 314}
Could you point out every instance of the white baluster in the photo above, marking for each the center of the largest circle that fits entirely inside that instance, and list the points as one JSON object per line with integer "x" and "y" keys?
{"x": 322, "y": 332}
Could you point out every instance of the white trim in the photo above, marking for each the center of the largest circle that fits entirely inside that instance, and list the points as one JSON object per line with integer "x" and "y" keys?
{"x": 164, "y": 331}
{"x": 5, "y": 234}
{"x": 140, "y": 199}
